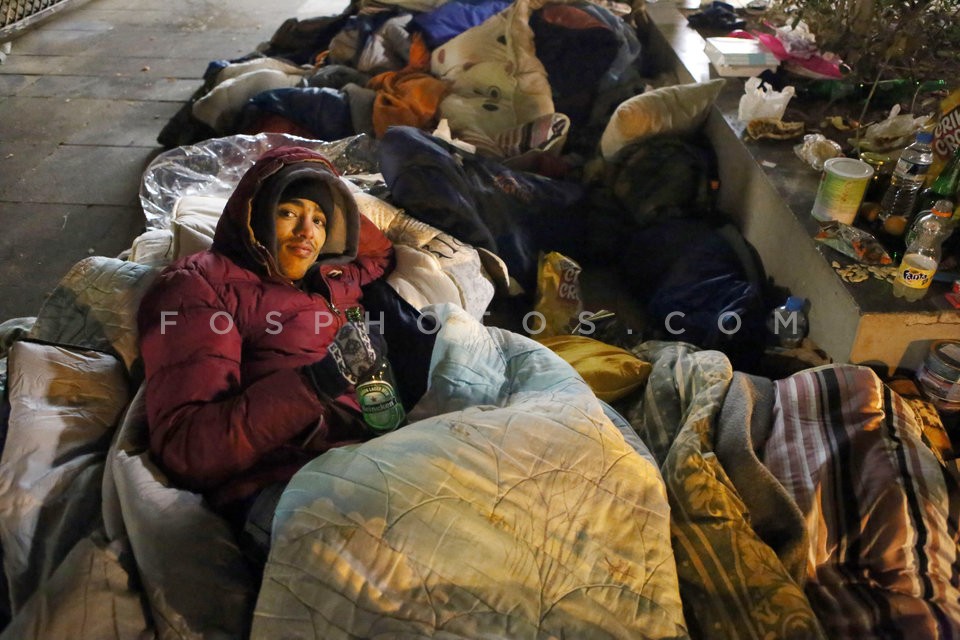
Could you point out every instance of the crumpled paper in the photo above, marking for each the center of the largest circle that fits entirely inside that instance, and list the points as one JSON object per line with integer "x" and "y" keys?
{"x": 760, "y": 100}
{"x": 798, "y": 40}
{"x": 796, "y": 47}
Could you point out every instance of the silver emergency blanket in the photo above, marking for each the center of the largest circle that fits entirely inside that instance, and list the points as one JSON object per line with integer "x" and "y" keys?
{"x": 214, "y": 167}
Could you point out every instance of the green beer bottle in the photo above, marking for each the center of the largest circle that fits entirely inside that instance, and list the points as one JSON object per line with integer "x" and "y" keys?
{"x": 377, "y": 390}
{"x": 946, "y": 186}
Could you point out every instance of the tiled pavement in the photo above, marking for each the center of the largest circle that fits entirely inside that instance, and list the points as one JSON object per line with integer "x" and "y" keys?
{"x": 83, "y": 96}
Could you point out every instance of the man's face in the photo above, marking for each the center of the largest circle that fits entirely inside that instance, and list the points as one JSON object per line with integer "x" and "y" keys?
{"x": 301, "y": 231}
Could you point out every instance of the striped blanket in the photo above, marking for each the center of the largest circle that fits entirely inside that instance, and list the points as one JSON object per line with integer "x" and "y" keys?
{"x": 882, "y": 509}
{"x": 813, "y": 506}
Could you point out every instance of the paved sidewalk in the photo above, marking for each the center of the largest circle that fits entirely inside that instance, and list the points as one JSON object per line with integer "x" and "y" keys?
{"x": 83, "y": 96}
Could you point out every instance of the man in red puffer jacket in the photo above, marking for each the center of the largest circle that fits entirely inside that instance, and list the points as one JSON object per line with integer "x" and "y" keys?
{"x": 239, "y": 391}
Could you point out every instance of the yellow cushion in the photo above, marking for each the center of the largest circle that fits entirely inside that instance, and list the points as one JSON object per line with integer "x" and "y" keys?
{"x": 610, "y": 371}
{"x": 673, "y": 110}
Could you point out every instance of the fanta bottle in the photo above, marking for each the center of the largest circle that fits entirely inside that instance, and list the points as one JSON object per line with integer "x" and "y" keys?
{"x": 919, "y": 261}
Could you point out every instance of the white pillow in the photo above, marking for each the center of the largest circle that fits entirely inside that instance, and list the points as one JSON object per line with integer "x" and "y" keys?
{"x": 677, "y": 109}
{"x": 379, "y": 212}
{"x": 152, "y": 248}
{"x": 194, "y": 223}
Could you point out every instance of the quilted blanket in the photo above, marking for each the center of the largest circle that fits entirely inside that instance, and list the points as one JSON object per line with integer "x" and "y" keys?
{"x": 511, "y": 508}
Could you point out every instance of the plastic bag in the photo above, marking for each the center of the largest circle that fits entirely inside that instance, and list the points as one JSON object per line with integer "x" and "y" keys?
{"x": 817, "y": 149}
{"x": 558, "y": 294}
{"x": 761, "y": 101}
{"x": 214, "y": 167}
{"x": 895, "y": 132}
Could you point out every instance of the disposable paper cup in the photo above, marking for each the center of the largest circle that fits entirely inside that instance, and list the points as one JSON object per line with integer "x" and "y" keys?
{"x": 842, "y": 184}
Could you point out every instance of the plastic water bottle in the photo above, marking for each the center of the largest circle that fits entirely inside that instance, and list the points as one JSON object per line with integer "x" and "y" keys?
{"x": 942, "y": 214}
{"x": 919, "y": 263}
{"x": 906, "y": 182}
{"x": 788, "y": 322}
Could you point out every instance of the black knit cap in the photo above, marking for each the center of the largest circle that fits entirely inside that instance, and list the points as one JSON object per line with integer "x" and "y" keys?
{"x": 308, "y": 181}
{"x": 308, "y": 189}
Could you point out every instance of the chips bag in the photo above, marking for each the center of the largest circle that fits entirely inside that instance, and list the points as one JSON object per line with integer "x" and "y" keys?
{"x": 558, "y": 294}
{"x": 946, "y": 137}
{"x": 853, "y": 242}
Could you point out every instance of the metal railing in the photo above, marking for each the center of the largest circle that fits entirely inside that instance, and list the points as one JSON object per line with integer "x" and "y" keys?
{"x": 16, "y": 15}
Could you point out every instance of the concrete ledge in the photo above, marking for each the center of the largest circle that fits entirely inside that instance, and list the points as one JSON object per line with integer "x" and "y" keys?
{"x": 769, "y": 192}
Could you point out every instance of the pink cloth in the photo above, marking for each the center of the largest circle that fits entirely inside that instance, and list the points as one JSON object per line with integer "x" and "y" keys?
{"x": 816, "y": 63}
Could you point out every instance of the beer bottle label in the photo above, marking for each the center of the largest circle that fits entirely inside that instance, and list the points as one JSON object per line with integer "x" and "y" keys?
{"x": 380, "y": 405}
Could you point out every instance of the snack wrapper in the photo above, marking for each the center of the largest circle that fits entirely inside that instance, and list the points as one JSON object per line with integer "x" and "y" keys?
{"x": 946, "y": 136}
{"x": 853, "y": 242}
{"x": 558, "y": 294}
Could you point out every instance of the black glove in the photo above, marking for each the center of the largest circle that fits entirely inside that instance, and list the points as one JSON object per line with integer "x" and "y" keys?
{"x": 354, "y": 352}
{"x": 351, "y": 354}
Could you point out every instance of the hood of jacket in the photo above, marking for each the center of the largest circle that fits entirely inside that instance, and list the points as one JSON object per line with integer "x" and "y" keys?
{"x": 246, "y": 231}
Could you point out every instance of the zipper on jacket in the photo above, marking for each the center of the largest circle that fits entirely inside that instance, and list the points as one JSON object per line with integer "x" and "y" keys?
{"x": 333, "y": 307}
{"x": 335, "y": 274}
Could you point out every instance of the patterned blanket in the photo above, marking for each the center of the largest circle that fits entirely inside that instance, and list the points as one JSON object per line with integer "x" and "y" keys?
{"x": 700, "y": 426}
{"x": 881, "y": 506}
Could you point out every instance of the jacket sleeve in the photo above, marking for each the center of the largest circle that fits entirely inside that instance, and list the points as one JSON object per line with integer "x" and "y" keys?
{"x": 205, "y": 424}
{"x": 374, "y": 253}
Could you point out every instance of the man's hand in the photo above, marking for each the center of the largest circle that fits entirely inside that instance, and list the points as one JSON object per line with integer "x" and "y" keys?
{"x": 354, "y": 352}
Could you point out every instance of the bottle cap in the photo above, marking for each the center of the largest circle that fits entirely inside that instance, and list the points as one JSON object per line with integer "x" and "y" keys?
{"x": 925, "y": 136}
{"x": 795, "y": 303}
{"x": 942, "y": 209}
